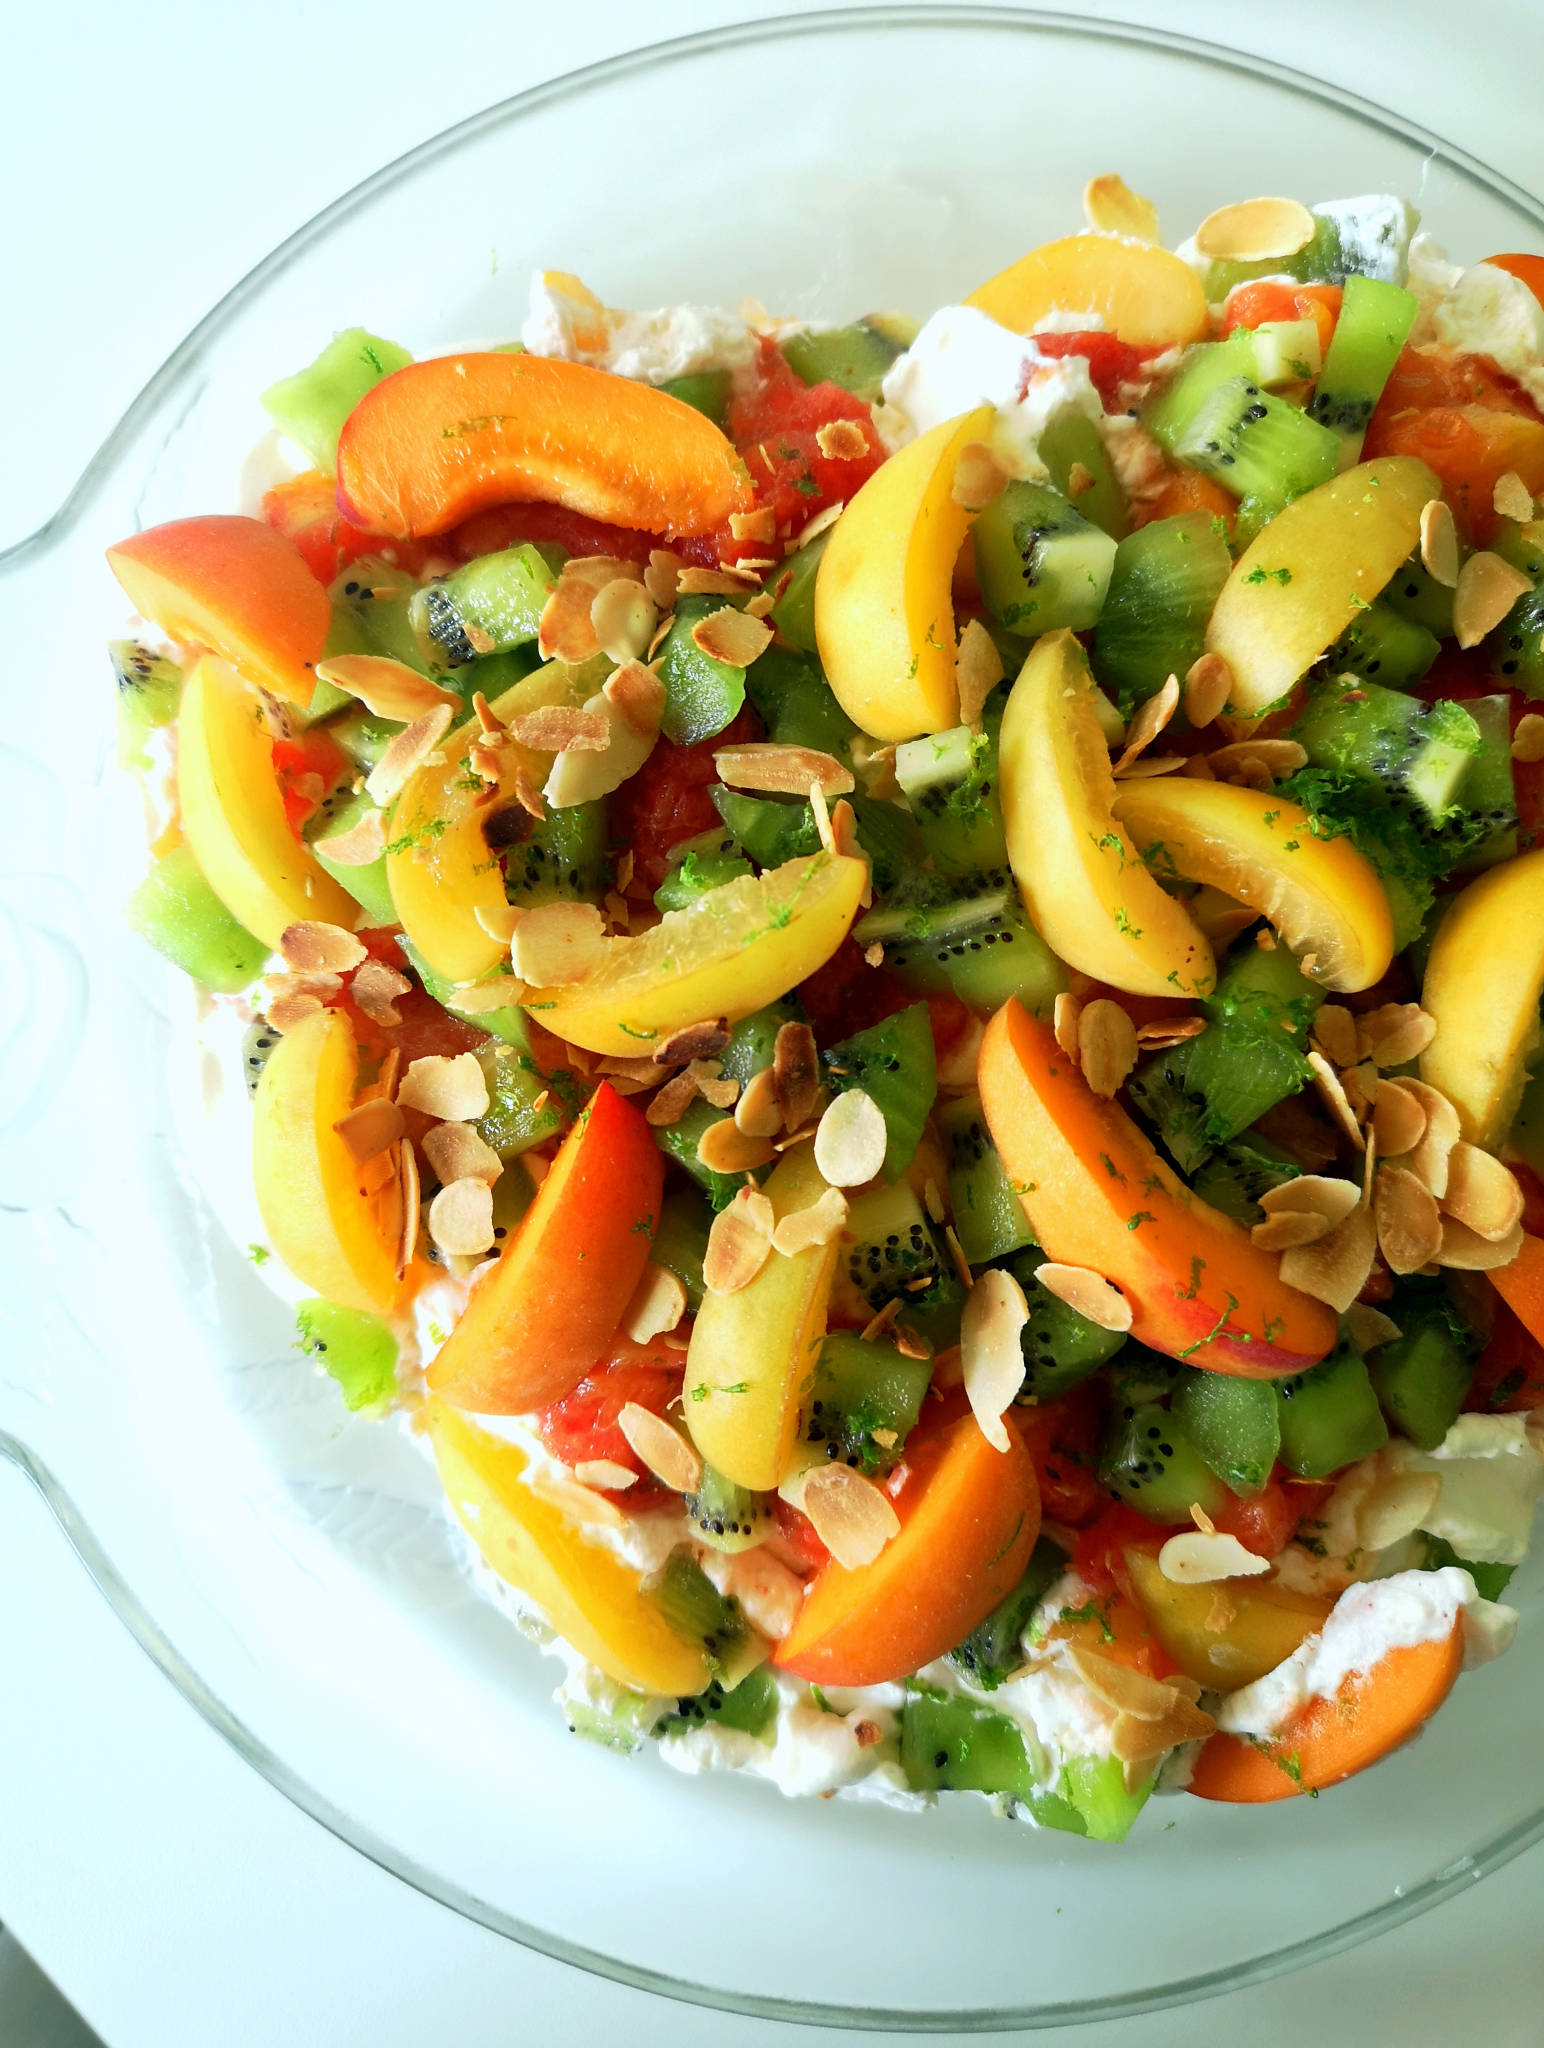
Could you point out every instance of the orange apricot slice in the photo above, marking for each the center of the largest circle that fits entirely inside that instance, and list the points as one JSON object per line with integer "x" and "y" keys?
{"x": 1138, "y": 291}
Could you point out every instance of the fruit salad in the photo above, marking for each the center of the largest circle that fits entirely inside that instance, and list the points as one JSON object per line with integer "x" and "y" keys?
{"x": 882, "y": 980}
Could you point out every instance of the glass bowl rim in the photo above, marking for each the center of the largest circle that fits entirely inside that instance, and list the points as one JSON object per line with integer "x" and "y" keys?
{"x": 121, "y": 1597}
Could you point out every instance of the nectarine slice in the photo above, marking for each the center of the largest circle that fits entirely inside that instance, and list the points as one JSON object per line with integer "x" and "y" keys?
{"x": 438, "y": 441}
{"x": 235, "y": 586}
{"x": 1134, "y": 289}
{"x": 969, "y": 1518}
{"x": 1484, "y": 977}
{"x": 1266, "y": 1623}
{"x": 1098, "y": 1195}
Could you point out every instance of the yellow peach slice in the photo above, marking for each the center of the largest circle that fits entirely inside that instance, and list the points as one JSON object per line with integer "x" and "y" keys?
{"x": 1266, "y": 1623}
{"x": 1323, "y": 898}
{"x": 738, "y": 946}
{"x": 884, "y": 613}
{"x": 1135, "y": 290}
{"x": 233, "y": 811}
{"x": 752, "y": 1354}
{"x": 1483, "y": 982}
{"x": 1306, "y": 575}
{"x": 594, "y": 1601}
{"x": 1081, "y": 876}
{"x": 319, "y": 1220}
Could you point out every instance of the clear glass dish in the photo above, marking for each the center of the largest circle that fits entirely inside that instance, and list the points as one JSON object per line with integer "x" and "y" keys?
{"x": 288, "y": 1567}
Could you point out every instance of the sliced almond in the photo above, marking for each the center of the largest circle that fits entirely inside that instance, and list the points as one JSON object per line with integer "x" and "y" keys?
{"x": 388, "y": 688}
{"x": 594, "y": 572}
{"x": 557, "y": 943}
{"x": 602, "y": 1473}
{"x": 761, "y": 524}
{"x": 360, "y": 846}
{"x": 637, "y": 695}
{"x": 407, "y": 1191}
{"x": 1149, "y": 766}
{"x": 1163, "y": 1032}
{"x": 1335, "y": 1268}
{"x": 819, "y": 1224}
{"x": 1254, "y": 760}
{"x": 1149, "y": 719}
{"x": 1395, "y": 1508}
{"x": 661, "y": 579}
{"x": 1482, "y": 1193}
{"x": 979, "y": 478}
{"x": 1429, "y": 1159}
{"x": 672, "y": 1101}
{"x": 1107, "y": 1045}
{"x": 732, "y": 638}
{"x": 406, "y": 752}
{"x": 822, "y": 522}
{"x": 448, "y": 1086}
{"x": 1528, "y": 739}
{"x": 1087, "y": 1292}
{"x": 1122, "y": 1686}
{"x": 757, "y": 1111}
{"x": 991, "y": 1356}
{"x": 312, "y": 947}
{"x": 369, "y": 1128}
{"x": 703, "y": 1040}
{"x": 1398, "y": 1119}
{"x": 1465, "y": 1251}
{"x": 668, "y": 1455}
{"x": 1334, "y": 1032}
{"x": 457, "y": 1152}
{"x": 1334, "y": 1097}
{"x": 1198, "y": 1557}
{"x": 1208, "y": 686}
{"x": 723, "y": 1148}
{"x": 978, "y": 669}
{"x": 499, "y": 921}
{"x": 1439, "y": 542}
{"x": 786, "y": 771}
{"x": 562, "y": 728}
{"x": 845, "y": 842}
{"x": 1066, "y": 1022}
{"x": 1409, "y": 1227}
{"x": 1136, "y": 1742}
{"x": 1396, "y": 1033}
{"x": 1488, "y": 587}
{"x": 1111, "y": 208}
{"x": 623, "y": 616}
{"x": 713, "y": 1084}
{"x": 1289, "y": 1228}
{"x": 852, "y": 1516}
{"x": 739, "y": 1243}
{"x": 1255, "y": 231}
{"x": 842, "y": 441}
{"x": 1512, "y": 498}
{"x": 1079, "y": 479}
{"x": 580, "y": 1504}
{"x": 724, "y": 582}
{"x": 565, "y": 631}
{"x": 477, "y": 998}
{"x": 461, "y": 1218}
{"x": 795, "y": 1073}
{"x": 1368, "y": 1327}
{"x": 850, "y": 1143}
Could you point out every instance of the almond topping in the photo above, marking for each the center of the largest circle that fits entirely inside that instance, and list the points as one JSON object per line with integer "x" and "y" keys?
{"x": 1335, "y": 1269}
{"x": 1107, "y": 1045}
{"x": 406, "y": 752}
{"x": 566, "y": 632}
{"x": 623, "y": 616}
{"x": 1066, "y": 1022}
{"x": 450, "y": 1087}
{"x": 457, "y": 1152}
{"x": 1439, "y": 542}
{"x": 1334, "y": 1096}
{"x": 1122, "y": 1686}
{"x": 1334, "y": 1032}
{"x": 369, "y": 1128}
{"x": 662, "y": 577}
{"x": 739, "y": 1243}
{"x": 703, "y": 1040}
{"x": 1208, "y": 686}
{"x": 1198, "y": 1557}
{"x": 477, "y": 998}
{"x": 695, "y": 582}
{"x": 817, "y": 1225}
{"x": 672, "y": 1101}
{"x": 853, "y": 1518}
{"x": 795, "y": 1073}
{"x": 1528, "y": 739}
{"x": 663, "y": 1449}
{"x": 1482, "y": 1193}
{"x": 1369, "y": 1327}
{"x": 713, "y": 1085}
{"x": 603, "y": 1473}
{"x": 787, "y": 771}
{"x": 1430, "y": 1156}
{"x": 500, "y": 921}
{"x": 1148, "y": 720}
{"x": 730, "y": 637}
{"x": 317, "y": 948}
{"x": 1487, "y": 589}
{"x": 1257, "y": 763}
{"x": 637, "y": 695}
{"x": 360, "y": 846}
{"x": 1111, "y": 208}
{"x": 461, "y": 1218}
{"x": 841, "y": 441}
{"x": 561, "y": 729}
{"x": 978, "y": 669}
{"x": 1396, "y": 1033}
{"x": 850, "y": 1143}
{"x": 1512, "y": 498}
{"x": 1465, "y": 1251}
{"x": 1395, "y": 1508}
{"x": 1289, "y": 1228}
{"x": 1087, "y": 1292}
{"x": 388, "y": 688}
{"x": 979, "y": 477}
{"x": 1409, "y": 1227}
{"x": 1255, "y": 231}
{"x": 1166, "y": 1031}
{"x": 821, "y": 523}
{"x": 758, "y": 525}
{"x": 723, "y": 1148}
{"x": 407, "y": 1200}
{"x": 757, "y": 1111}
{"x": 557, "y": 943}
{"x": 1136, "y": 1742}
{"x": 991, "y": 1356}
{"x": 1398, "y": 1119}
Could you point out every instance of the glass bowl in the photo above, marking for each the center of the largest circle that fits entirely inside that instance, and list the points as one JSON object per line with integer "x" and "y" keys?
{"x": 287, "y": 1566}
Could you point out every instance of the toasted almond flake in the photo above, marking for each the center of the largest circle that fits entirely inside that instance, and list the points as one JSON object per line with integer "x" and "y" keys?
{"x": 978, "y": 669}
{"x": 1107, "y": 1045}
{"x": 1166, "y": 1031}
{"x": 795, "y": 1073}
{"x": 1111, "y": 208}
{"x": 1148, "y": 766}
{"x": 822, "y": 522}
{"x": 874, "y": 955}
{"x": 1149, "y": 719}
{"x": 1395, "y": 1508}
{"x": 852, "y": 1516}
{"x": 1198, "y": 1557}
{"x": 1271, "y": 759}
{"x": 1086, "y": 1291}
{"x": 623, "y": 617}
{"x": 1368, "y": 1327}
{"x": 1122, "y": 1686}
{"x": 819, "y": 1224}
{"x": 1334, "y": 1032}
{"x": 761, "y": 524}
{"x": 1255, "y": 231}
{"x": 661, "y": 579}
{"x": 477, "y": 998}
{"x": 602, "y": 1473}
{"x": 1198, "y": 768}
{"x": 672, "y": 1102}
{"x": 407, "y": 1197}
{"x": 312, "y": 947}
{"x": 369, "y": 1128}
{"x": 500, "y": 921}
{"x": 662, "y": 1448}
{"x": 1528, "y": 739}
{"x": 991, "y": 1356}
{"x": 703, "y": 1040}
{"x": 761, "y": 604}
{"x": 1487, "y": 589}
{"x": 1512, "y": 498}
{"x": 1208, "y": 686}
{"x": 1335, "y": 1269}
{"x": 757, "y": 1112}
{"x": 846, "y": 843}
{"x": 1066, "y": 1022}
{"x": 359, "y": 846}
{"x": 881, "y": 1324}
{"x": 1079, "y": 480}
{"x": 322, "y": 983}
{"x": 1409, "y": 1227}
{"x": 730, "y": 637}
{"x": 875, "y": 765}
{"x": 637, "y": 695}
{"x": 723, "y": 1148}
{"x": 933, "y": 1201}
{"x": 850, "y": 1143}
{"x": 388, "y": 688}
{"x": 821, "y": 810}
{"x": 957, "y": 1068}
{"x": 448, "y": 1086}
{"x": 787, "y": 771}
{"x": 1136, "y": 1742}
{"x": 461, "y": 1218}
{"x": 1396, "y": 1033}
{"x": 957, "y": 1253}
{"x": 1465, "y": 1251}
{"x": 1289, "y": 1228}
{"x": 1431, "y": 1156}
{"x": 580, "y": 1504}
{"x": 739, "y": 1243}
{"x": 563, "y": 728}
{"x": 979, "y": 478}
{"x": 713, "y": 1084}
{"x": 1439, "y": 542}
{"x": 594, "y": 572}
{"x": 557, "y": 943}
{"x": 841, "y": 441}
{"x": 1398, "y": 1119}
{"x": 457, "y": 1152}
{"x": 1201, "y": 1518}
{"x": 695, "y": 582}
{"x": 406, "y": 752}
{"x": 1481, "y": 1192}
{"x": 291, "y": 1008}
{"x": 565, "y": 631}
{"x": 1334, "y": 1096}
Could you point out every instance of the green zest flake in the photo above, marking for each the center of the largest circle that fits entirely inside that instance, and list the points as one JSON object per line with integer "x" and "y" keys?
{"x": 258, "y": 1254}
{"x": 1270, "y": 817}
{"x": 422, "y": 835}
{"x": 1197, "y": 1268}
{"x": 1124, "y": 925}
{"x": 1113, "y": 843}
{"x": 1024, "y": 1187}
{"x": 1091, "y": 1610}
{"x": 1284, "y": 1760}
{"x": 820, "y": 1699}
{"x": 631, "y": 1031}
{"x": 1217, "y": 1328}
{"x": 644, "y": 1227}
{"x": 1111, "y": 1168}
{"x": 1152, "y": 1183}
{"x": 1142, "y": 1216}
{"x": 1274, "y": 1328}
{"x": 437, "y": 1333}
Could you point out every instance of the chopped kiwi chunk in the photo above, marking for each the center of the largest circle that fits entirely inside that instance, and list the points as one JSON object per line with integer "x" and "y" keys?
{"x": 1382, "y": 643}
{"x": 311, "y": 406}
{"x": 1422, "y": 1376}
{"x": 854, "y": 357}
{"x": 364, "y": 622}
{"x": 357, "y": 1349}
{"x": 1080, "y": 468}
{"x": 793, "y": 589}
{"x": 1329, "y": 1415}
{"x": 705, "y": 391}
{"x": 1060, "y": 1346}
{"x": 727, "y": 1516}
{"x": 1239, "y": 1172}
{"x": 793, "y": 700}
{"x": 1039, "y": 563}
{"x": 750, "y": 1706}
{"x": 953, "y": 1744}
{"x": 1234, "y": 1424}
{"x": 485, "y": 607}
{"x": 951, "y": 781}
{"x": 679, "y": 1141}
{"x": 561, "y": 856}
{"x": 699, "y": 865}
{"x": 1165, "y": 579}
{"x": 892, "y": 1063}
{"x": 525, "y": 1108}
{"x": 702, "y": 695}
{"x": 181, "y": 916}
{"x": 681, "y": 1241}
{"x": 972, "y": 936}
{"x": 368, "y": 884}
{"x": 890, "y": 1252}
{"x": 988, "y": 1216}
{"x": 149, "y": 690}
{"x": 1372, "y": 327}
{"x": 994, "y": 1649}
{"x": 698, "y": 1612}
{"x": 1150, "y": 1460}
{"x": 1256, "y": 444}
{"x": 865, "y": 1401}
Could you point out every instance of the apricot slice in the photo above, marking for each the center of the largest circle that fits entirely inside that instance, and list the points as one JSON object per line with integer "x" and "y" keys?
{"x": 1135, "y": 290}
{"x": 595, "y": 1602}
{"x": 235, "y": 586}
{"x": 536, "y": 1323}
{"x": 1471, "y": 447}
{"x": 233, "y": 812}
{"x": 438, "y": 441}
{"x": 319, "y": 1220}
{"x": 752, "y": 1353}
{"x": 1323, "y": 899}
{"x": 1332, "y": 1739}
{"x": 1263, "y": 1623}
{"x": 1097, "y": 1194}
{"x": 1307, "y": 573}
{"x": 969, "y": 1518}
{"x": 738, "y": 946}
{"x": 1081, "y": 876}
{"x": 1483, "y": 981}
{"x": 884, "y": 612}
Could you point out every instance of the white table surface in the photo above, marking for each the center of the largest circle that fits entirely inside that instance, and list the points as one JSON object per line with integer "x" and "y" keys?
{"x": 150, "y": 154}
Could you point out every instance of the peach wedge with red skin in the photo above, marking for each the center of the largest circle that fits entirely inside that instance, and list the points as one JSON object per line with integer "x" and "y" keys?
{"x": 235, "y": 586}
{"x": 1099, "y": 1196}
{"x": 1138, "y": 291}
{"x": 438, "y": 441}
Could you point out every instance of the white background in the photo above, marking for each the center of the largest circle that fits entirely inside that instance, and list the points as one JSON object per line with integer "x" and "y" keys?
{"x": 149, "y": 155}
